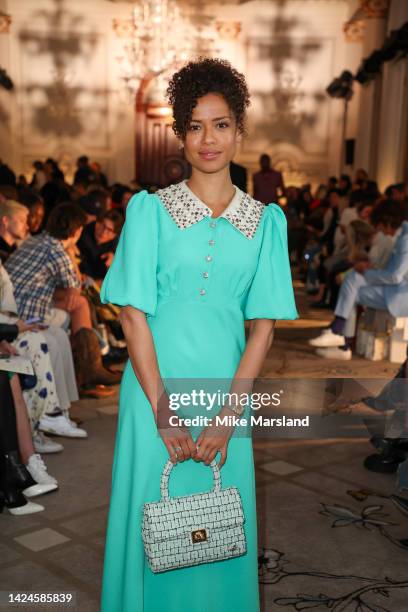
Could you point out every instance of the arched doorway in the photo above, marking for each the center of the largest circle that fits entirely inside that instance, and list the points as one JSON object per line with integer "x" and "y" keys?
{"x": 158, "y": 158}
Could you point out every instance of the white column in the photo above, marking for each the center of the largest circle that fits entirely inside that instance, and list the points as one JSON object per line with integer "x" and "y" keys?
{"x": 366, "y": 141}
{"x": 393, "y": 124}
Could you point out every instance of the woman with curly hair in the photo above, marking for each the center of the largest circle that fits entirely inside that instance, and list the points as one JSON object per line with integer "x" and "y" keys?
{"x": 194, "y": 261}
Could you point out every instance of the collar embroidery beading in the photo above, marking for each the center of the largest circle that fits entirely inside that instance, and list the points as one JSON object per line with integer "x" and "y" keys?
{"x": 186, "y": 209}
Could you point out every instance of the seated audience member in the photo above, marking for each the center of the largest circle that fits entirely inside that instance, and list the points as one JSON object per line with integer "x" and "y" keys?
{"x": 41, "y": 265}
{"x": 392, "y": 442}
{"x": 98, "y": 243}
{"x": 36, "y": 210}
{"x": 13, "y": 227}
{"x": 344, "y": 185}
{"x": 79, "y": 189}
{"x": 319, "y": 197}
{"x": 303, "y": 202}
{"x": 330, "y": 219}
{"x": 84, "y": 172}
{"x": 53, "y": 171}
{"x": 385, "y": 289}
{"x": 357, "y": 240}
{"x": 16, "y": 482}
{"x": 39, "y": 177}
{"x": 21, "y": 182}
{"x": 21, "y": 468}
{"x": 7, "y": 176}
{"x": 47, "y": 287}
{"x": 94, "y": 203}
{"x": 50, "y": 352}
{"x": 100, "y": 177}
{"x": 120, "y": 196}
{"x": 360, "y": 178}
{"x": 332, "y": 183}
{"x": 396, "y": 192}
{"x": 7, "y": 192}
{"x": 54, "y": 192}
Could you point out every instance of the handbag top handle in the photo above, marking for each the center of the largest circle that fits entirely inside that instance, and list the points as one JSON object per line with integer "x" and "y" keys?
{"x": 164, "y": 484}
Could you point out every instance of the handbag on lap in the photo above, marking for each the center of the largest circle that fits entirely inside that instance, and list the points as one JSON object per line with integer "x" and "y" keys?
{"x": 193, "y": 529}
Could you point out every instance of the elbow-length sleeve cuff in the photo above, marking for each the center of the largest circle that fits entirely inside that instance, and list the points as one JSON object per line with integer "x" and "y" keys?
{"x": 270, "y": 295}
{"x": 132, "y": 278}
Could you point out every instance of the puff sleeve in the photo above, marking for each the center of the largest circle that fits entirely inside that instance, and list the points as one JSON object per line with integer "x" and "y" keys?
{"x": 270, "y": 295}
{"x": 132, "y": 278}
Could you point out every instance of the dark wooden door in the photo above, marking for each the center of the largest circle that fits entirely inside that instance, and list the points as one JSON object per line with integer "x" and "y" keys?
{"x": 159, "y": 160}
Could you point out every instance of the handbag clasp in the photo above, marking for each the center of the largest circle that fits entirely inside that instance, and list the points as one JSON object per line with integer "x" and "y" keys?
{"x": 200, "y": 535}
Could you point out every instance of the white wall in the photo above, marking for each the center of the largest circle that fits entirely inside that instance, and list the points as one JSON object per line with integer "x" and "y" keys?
{"x": 289, "y": 51}
{"x": 47, "y": 116}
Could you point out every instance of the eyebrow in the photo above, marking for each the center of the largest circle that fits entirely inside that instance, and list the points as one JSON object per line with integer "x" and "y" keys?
{"x": 216, "y": 119}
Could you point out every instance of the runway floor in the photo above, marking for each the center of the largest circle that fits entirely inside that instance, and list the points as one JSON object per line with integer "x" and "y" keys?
{"x": 333, "y": 538}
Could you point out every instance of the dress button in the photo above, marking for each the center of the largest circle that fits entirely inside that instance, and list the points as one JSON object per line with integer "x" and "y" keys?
{"x": 208, "y": 258}
{"x": 202, "y": 291}
{"x": 213, "y": 224}
{"x": 205, "y": 274}
{"x": 211, "y": 242}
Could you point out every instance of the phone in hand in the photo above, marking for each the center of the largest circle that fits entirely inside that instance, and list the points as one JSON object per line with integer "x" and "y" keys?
{"x": 33, "y": 321}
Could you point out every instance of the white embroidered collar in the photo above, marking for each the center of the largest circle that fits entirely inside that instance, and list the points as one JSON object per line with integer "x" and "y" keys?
{"x": 186, "y": 209}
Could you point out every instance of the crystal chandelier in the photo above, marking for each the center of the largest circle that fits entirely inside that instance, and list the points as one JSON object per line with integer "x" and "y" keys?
{"x": 159, "y": 37}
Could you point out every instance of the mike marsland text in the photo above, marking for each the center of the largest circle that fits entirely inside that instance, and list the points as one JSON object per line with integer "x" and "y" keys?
{"x": 235, "y": 421}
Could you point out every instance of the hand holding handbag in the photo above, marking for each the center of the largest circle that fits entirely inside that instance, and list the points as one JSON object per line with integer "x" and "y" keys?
{"x": 193, "y": 529}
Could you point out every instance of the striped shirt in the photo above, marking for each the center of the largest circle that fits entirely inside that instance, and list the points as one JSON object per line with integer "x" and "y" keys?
{"x": 38, "y": 266}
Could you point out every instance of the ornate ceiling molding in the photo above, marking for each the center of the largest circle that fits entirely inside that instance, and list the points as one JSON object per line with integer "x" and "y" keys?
{"x": 5, "y": 23}
{"x": 375, "y": 9}
{"x": 354, "y": 28}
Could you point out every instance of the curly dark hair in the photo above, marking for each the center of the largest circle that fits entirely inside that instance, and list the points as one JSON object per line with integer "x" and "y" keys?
{"x": 203, "y": 76}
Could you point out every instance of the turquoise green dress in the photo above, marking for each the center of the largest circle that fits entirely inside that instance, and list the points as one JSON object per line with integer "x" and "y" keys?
{"x": 197, "y": 279}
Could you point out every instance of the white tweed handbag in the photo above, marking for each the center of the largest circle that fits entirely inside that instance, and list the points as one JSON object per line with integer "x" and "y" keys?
{"x": 193, "y": 529}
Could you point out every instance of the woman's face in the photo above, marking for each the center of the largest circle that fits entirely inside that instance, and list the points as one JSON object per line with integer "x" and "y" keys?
{"x": 212, "y": 136}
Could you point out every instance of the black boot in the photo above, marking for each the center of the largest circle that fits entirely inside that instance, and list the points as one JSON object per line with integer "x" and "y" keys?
{"x": 115, "y": 355}
{"x": 17, "y": 472}
{"x": 391, "y": 395}
{"x": 10, "y": 495}
{"x": 11, "y": 474}
{"x": 393, "y": 451}
{"x": 20, "y": 477}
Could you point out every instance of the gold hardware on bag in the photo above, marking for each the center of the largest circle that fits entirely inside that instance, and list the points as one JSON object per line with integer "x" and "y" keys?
{"x": 200, "y": 535}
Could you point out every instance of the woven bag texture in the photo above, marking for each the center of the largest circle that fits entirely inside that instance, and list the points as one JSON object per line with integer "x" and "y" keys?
{"x": 193, "y": 529}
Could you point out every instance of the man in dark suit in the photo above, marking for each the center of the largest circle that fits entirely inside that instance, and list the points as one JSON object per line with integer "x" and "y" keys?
{"x": 267, "y": 182}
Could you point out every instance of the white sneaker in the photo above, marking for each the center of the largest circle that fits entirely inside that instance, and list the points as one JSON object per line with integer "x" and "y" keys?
{"x": 61, "y": 426}
{"x": 334, "y": 352}
{"x": 38, "y": 471}
{"x": 28, "y": 508}
{"x": 327, "y": 338}
{"x": 44, "y": 445}
{"x": 66, "y": 415}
